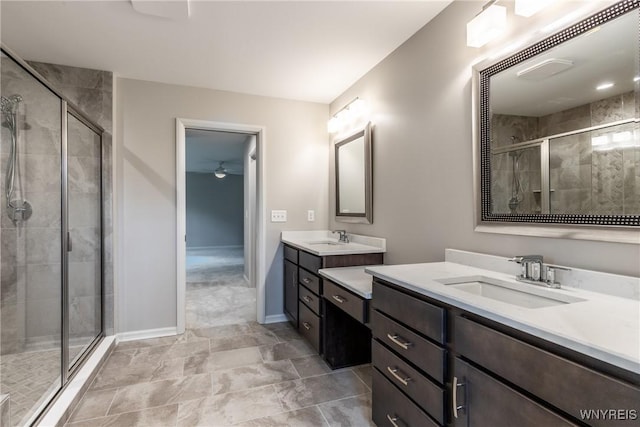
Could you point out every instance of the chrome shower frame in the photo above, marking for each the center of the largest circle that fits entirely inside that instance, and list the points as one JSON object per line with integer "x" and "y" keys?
{"x": 67, "y": 107}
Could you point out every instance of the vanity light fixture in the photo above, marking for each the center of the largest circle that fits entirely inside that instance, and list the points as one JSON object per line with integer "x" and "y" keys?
{"x": 348, "y": 115}
{"x": 220, "y": 172}
{"x": 604, "y": 86}
{"x": 487, "y": 25}
{"x": 529, "y": 8}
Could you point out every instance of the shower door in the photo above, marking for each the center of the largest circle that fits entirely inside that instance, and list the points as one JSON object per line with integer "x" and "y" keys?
{"x": 50, "y": 241}
{"x": 31, "y": 273}
{"x": 84, "y": 237}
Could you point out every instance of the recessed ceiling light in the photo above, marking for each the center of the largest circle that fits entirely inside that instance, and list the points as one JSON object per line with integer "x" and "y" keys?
{"x": 604, "y": 86}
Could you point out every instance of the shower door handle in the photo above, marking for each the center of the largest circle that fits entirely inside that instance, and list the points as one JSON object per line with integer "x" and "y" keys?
{"x": 69, "y": 244}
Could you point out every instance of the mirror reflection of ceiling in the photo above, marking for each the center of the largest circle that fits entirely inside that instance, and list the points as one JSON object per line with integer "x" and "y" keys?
{"x": 606, "y": 54}
{"x": 206, "y": 148}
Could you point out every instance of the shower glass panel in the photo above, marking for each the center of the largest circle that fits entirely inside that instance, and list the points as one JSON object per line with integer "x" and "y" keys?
{"x": 30, "y": 235}
{"x": 84, "y": 242}
{"x": 596, "y": 171}
{"x": 516, "y": 181}
{"x": 50, "y": 241}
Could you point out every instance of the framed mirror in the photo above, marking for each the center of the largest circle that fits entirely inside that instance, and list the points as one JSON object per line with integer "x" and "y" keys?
{"x": 557, "y": 140}
{"x": 354, "y": 177}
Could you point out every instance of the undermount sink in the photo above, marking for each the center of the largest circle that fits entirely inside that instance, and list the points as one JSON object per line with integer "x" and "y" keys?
{"x": 327, "y": 242}
{"x": 511, "y": 293}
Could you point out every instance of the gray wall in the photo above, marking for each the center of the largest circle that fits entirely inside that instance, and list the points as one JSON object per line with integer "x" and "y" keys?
{"x": 423, "y": 198}
{"x": 214, "y": 210}
{"x": 295, "y": 163}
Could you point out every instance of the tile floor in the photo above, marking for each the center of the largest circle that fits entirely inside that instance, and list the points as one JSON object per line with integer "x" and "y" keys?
{"x": 28, "y": 378}
{"x": 243, "y": 375}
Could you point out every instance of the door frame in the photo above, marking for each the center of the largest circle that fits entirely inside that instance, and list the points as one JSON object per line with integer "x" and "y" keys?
{"x": 181, "y": 212}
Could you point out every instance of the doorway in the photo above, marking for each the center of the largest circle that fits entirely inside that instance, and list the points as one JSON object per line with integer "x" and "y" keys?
{"x": 219, "y": 232}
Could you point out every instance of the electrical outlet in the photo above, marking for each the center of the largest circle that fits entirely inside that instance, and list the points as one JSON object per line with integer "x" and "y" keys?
{"x": 311, "y": 215}
{"x": 278, "y": 216}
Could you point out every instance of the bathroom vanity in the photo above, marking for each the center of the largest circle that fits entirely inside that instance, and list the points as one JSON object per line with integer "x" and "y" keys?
{"x": 445, "y": 353}
{"x": 330, "y": 315}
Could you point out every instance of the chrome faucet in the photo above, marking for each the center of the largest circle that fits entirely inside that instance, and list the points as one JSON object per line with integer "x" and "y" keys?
{"x": 531, "y": 267}
{"x": 343, "y": 236}
{"x": 535, "y": 272}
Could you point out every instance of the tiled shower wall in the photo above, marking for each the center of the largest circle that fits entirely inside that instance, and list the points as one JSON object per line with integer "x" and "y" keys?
{"x": 92, "y": 92}
{"x": 582, "y": 180}
{"x": 30, "y": 277}
{"x": 31, "y": 273}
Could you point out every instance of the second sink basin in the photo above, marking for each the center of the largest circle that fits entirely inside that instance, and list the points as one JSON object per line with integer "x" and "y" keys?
{"x": 511, "y": 293}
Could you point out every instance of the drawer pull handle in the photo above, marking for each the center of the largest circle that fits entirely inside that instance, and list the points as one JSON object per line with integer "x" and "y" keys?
{"x": 454, "y": 390}
{"x": 306, "y": 280}
{"x": 306, "y": 325}
{"x": 339, "y": 299}
{"x": 397, "y": 374}
{"x": 397, "y": 339}
{"x": 306, "y": 298}
{"x": 393, "y": 419}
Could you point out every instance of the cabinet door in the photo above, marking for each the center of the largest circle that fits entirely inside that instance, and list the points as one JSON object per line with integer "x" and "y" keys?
{"x": 480, "y": 400}
{"x": 291, "y": 291}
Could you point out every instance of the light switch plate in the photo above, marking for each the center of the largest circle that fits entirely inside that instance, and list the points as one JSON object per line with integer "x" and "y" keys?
{"x": 311, "y": 215}
{"x": 278, "y": 216}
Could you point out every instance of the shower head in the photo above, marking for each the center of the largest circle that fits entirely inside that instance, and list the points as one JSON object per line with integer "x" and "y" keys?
{"x": 10, "y": 105}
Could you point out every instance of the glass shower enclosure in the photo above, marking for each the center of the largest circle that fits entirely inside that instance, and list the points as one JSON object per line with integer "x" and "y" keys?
{"x": 51, "y": 242}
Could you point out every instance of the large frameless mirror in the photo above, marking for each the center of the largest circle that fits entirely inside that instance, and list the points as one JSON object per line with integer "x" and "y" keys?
{"x": 354, "y": 202}
{"x": 557, "y": 129}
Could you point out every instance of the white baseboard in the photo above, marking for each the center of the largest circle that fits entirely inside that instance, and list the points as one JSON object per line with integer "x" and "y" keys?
{"x": 146, "y": 334}
{"x": 275, "y": 318}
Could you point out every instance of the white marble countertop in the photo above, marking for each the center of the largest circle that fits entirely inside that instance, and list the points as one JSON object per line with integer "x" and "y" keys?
{"x": 325, "y": 243}
{"x": 352, "y": 278}
{"x": 603, "y": 326}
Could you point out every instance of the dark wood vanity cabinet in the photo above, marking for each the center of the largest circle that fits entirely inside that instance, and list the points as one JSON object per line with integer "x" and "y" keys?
{"x": 459, "y": 369}
{"x": 304, "y": 305}
{"x": 347, "y": 338}
{"x": 409, "y": 359}
{"x": 291, "y": 291}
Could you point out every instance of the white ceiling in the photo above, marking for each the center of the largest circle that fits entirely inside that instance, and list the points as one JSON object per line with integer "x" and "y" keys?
{"x": 609, "y": 54}
{"x": 206, "y": 148}
{"x": 304, "y": 50}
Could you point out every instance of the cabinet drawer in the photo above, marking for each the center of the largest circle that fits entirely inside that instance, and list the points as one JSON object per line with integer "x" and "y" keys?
{"x": 309, "y": 326}
{"x": 566, "y": 385}
{"x": 422, "y": 316}
{"x": 310, "y": 281}
{"x": 310, "y": 299}
{"x": 310, "y": 262}
{"x": 425, "y": 393}
{"x": 486, "y": 401}
{"x": 424, "y": 354}
{"x": 291, "y": 254}
{"x": 391, "y": 408}
{"x": 352, "y": 304}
